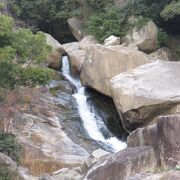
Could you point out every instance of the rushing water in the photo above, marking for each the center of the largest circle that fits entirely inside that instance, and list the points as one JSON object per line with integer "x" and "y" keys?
{"x": 87, "y": 112}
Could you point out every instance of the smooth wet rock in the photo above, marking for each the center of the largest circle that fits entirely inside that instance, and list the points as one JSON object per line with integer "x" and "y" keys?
{"x": 112, "y": 41}
{"x": 86, "y": 42}
{"x": 141, "y": 94}
{"x": 145, "y": 38}
{"x": 122, "y": 165}
{"x": 75, "y": 26}
{"x": 54, "y": 57}
{"x": 164, "y": 54}
{"x": 103, "y": 63}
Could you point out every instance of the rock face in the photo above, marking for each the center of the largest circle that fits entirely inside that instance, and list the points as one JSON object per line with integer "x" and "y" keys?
{"x": 169, "y": 133}
{"x": 163, "y": 136}
{"x": 145, "y": 38}
{"x": 33, "y": 115}
{"x": 76, "y": 57}
{"x": 123, "y": 164}
{"x": 141, "y": 94}
{"x": 170, "y": 175}
{"x": 103, "y": 63}
{"x": 164, "y": 54}
{"x": 86, "y": 42}
{"x": 112, "y": 41}
{"x": 146, "y": 136}
{"x": 54, "y": 58}
{"x": 8, "y": 161}
{"x": 76, "y": 28}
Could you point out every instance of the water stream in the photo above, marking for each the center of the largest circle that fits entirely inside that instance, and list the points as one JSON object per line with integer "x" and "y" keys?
{"x": 87, "y": 113}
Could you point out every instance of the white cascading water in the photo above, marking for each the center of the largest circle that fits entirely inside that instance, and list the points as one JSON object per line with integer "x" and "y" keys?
{"x": 88, "y": 116}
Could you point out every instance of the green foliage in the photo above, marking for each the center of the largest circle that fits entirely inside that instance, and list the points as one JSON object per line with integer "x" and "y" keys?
{"x": 109, "y": 22}
{"x": 141, "y": 22}
{"x": 148, "y": 8}
{"x": 6, "y": 173}
{"x": 7, "y": 53}
{"x": 33, "y": 76}
{"x": 6, "y": 25}
{"x": 171, "y": 10}
{"x": 29, "y": 46}
{"x": 22, "y": 46}
{"x": 9, "y": 146}
{"x": 162, "y": 37}
{"x": 98, "y": 5}
{"x": 2, "y": 6}
{"x": 9, "y": 77}
{"x": 45, "y": 15}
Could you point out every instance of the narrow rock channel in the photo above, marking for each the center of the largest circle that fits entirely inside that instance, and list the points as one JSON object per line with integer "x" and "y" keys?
{"x": 92, "y": 122}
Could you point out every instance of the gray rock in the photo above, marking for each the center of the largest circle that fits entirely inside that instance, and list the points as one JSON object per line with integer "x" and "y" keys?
{"x": 141, "y": 94}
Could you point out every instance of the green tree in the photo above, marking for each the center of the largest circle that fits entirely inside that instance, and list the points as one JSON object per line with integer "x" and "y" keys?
{"x": 30, "y": 47}
{"x": 6, "y": 25}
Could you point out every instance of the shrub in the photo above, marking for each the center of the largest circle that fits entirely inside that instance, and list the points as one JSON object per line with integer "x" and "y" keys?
{"x": 109, "y": 22}
{"x": 6, "y": 25}
{"x": 171, "y": 10}
{"x": 9, "y": 76}
{"x": 162, "y": 37}
{"x": 33, "y": 76}
{"x": 2, "y": 6}
{"x": 7, "y": 53}
{"x": 9, "y": 146}
{"x": 29, "y": 46}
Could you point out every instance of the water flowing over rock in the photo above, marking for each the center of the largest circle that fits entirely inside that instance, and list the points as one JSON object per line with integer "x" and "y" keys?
{"x": 75, "y": 26}
{"x": 33, "y": 115}
{"x": 112, "y": 41}
{"x": 145, "y": 92}
{"x": 76, "y": 57}
{"x": 145, "y": 38}
{"x": 54, "y": 58}
{"x": 103, "y": 63}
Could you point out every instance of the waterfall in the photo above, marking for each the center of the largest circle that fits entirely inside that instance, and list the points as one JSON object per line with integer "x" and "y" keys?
{"x": 87, "y": 112}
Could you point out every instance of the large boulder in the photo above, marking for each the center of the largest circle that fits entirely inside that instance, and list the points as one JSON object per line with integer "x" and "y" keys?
{"x": 75, "y": 25}
{"x": 123, "y": 164}
{"x": 169, "y": 137}
{"x": 86, "y": 42}
{"x": 145, "y": 92}
{"x": 76, "y": 61}
{"x": 164, "y": 54}
{"x": 76, "y": 56}
{"x": 54, "y": 58}
{"x": 103, "y": 63}
{"x": 112, "y": 41}
{"x": 145, "y": 37}
{"x": 163, "y": 136}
